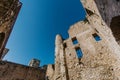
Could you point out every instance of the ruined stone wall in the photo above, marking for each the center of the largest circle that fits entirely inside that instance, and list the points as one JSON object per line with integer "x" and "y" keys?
{"x": 50, "y": 72}
{"x": 13, "y": 71}
{"x": 98, "y": 61}
{"x": 100, "y": 58}
{"x": 109, "y": 11}
{"x": 8, "y": 13}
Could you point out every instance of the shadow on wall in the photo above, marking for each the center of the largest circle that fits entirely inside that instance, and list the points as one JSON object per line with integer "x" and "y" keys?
{"x": 108, "y": 9}
{"x": 2, "y": 36}
{"x": 115, "y": 27}
{"x": 110, "y": 13}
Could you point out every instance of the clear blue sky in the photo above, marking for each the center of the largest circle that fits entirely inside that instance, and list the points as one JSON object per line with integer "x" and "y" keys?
{"x": 39, "y": 21}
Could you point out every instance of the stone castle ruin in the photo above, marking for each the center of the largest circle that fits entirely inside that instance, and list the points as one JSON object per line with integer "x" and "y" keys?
{"x": 9, "y": 10}
{"x": 92, "y": 51}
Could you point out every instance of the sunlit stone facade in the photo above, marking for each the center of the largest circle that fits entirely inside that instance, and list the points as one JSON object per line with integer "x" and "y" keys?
{"x": 91, "y": 52}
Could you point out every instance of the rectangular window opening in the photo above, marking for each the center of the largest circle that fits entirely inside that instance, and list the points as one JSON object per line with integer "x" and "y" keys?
{"x": 74, "y": 40}
{"x": 79, "y": 52}
{"x": 96, "y": 37}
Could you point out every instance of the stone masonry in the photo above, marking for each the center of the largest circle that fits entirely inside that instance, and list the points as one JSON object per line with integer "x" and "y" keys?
{"x": 92, "y": 51}
{"x": 99, "y": 57}
{"x": 13, "y": 71}
{"x": 9, "y": 10}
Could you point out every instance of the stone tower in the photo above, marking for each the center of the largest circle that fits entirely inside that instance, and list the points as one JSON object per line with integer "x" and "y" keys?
{"x": 34, "y": 63}
{"x": 91, "y": 52}
{"x": 9, "y": 10}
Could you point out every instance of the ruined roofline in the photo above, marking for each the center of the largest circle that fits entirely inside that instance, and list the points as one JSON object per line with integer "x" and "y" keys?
{"x": 89, "y": 11}
{"x": 27, "y": 66}
{"x": 17, "y": 71}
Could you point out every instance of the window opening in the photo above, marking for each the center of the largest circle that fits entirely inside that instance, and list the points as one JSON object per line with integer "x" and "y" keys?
{"x": 79, "y": 52}
{"x": 89, "y": 12}
{"x": 74, "y": 40}
{"x": 96, "y": 37}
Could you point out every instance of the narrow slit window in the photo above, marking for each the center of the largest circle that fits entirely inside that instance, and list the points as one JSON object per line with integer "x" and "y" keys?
{"x": 96, "y": 37}
{"x": 79, "y": 52}
{"x": 74, "y": 40}
{"x": 65, "y": 45}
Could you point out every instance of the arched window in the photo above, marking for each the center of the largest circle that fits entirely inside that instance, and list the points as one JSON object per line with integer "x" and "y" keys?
{"x": 115, "y": 27}
{"x": 2, "y": 36}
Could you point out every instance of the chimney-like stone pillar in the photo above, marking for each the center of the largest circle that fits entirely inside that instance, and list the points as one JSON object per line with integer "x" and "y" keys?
{"x": 60, "y": 72}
